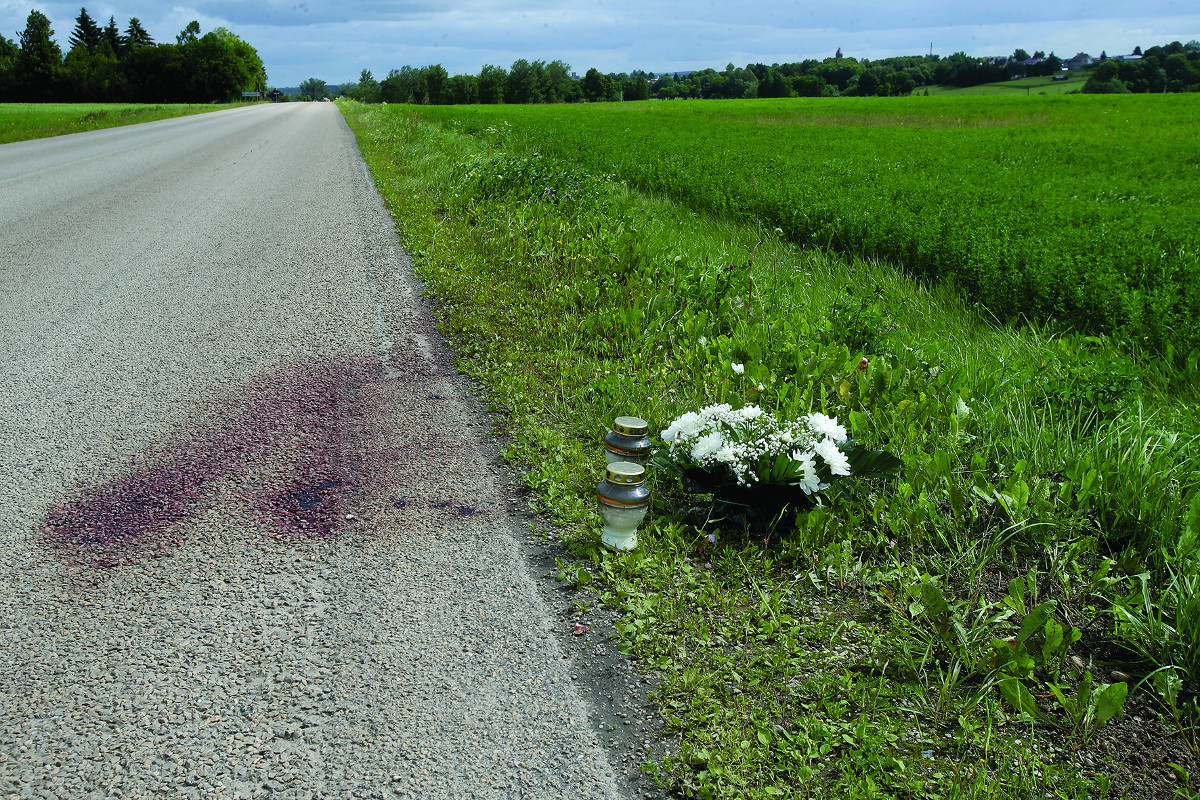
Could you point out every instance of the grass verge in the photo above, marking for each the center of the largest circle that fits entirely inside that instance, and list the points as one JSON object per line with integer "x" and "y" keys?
{"x": 952, "y": 636}
{"x": 21, "y": 121}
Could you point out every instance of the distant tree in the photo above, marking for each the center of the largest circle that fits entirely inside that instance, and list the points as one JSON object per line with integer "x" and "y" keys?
{"x": 9, "y": 53}
{"x": 189, "y": 34}
{"x": 136, "y": 35}
{"x": 901, "y": 84}
{"x": 86, "y": 34}
{"x": 405, "y": 85}
{"x": 1039, "y": 53}
{"x": 1137, "y": 51}
{"x": 1020, "y": 54}
{"x": 524, "y": 82}
{"x": 112, "y": 35}
{"x": 636, "y": 88}
{"x": 774, "y": 84}
{"x": 665, "y": 88}
{"x": 390, "y": 89}
{"x": 838, "y": 72}
{"x": 1103, "y": 55}
{"x": 869, "y": 84}
{"x": 492, "y": 82}
{"x": 463, "y": 89}
{"x": 809, "y": 86}
{"x": 220, "y": 66}
{"x": 597, "y": 87}
{"x": 156, "y": 74}
{"x": 367, "y": 90}
{"x": 1104, "y": 80}
{"x": 435, "y": 84}
{"x": 314, "y": 89}
{"x": 557, "y": 86}
{"x": 39, "y": 60}
{"x": 95, "y": 77}
{"x": 739, "y": 83}
{"x": 1181, "y": 75}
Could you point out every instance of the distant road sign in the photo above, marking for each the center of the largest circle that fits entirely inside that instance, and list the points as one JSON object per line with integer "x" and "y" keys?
{"x": 251, "y": 94}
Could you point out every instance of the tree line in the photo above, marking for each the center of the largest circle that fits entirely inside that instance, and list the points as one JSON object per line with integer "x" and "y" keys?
{"x": 541, "y": 82}
{"x": 107, "y": 64}
{"x": 1172, "y": 67}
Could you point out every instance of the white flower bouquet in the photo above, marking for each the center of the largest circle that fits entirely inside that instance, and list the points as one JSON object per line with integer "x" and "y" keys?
{"x": 751, "y": 461}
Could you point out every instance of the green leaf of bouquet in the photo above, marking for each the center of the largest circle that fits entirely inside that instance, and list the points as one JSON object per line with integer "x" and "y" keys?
{"x": 869, "y": 463}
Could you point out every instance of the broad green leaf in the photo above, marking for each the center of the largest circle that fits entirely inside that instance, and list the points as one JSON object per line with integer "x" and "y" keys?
{"x": 1110, "y": 700}
{"x": 1016, "y": 595}
{"x": 1020, "y": 698}
{"x": 1036, "y": 619}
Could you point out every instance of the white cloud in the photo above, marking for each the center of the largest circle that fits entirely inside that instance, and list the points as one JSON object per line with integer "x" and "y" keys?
{"x": 335, "y": 39}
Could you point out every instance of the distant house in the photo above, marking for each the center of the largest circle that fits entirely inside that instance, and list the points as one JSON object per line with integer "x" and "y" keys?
{"x": 1079, "y": 61}
{"x": 1133, "y": 57}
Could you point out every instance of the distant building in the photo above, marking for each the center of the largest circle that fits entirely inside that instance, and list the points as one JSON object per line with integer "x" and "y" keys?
{"x": 1079, "y": 61}
{"x": 1133, "y": 57}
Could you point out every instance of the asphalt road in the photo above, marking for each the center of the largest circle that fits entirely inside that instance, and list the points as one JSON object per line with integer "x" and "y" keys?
{"x": 252, "y": 542}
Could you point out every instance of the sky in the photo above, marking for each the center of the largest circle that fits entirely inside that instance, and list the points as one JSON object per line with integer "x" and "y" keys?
{"x": 334, "y": 40}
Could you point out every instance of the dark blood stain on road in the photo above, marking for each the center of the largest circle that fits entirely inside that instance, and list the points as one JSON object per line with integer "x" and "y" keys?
{"x": 288, "y": 432}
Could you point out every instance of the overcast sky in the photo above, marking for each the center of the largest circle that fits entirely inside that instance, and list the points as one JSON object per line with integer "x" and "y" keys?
{"x": 334, "y": 40}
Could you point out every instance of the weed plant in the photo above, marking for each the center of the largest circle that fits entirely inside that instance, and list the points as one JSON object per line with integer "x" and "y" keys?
{"x": 928, "y": 641}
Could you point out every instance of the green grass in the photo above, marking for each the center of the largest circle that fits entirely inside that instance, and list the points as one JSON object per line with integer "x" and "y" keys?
{"x": 910, "y": 645}
{"x": 1075, "y": 212}
{"x": 21, "y": 121}
{"x": 1021, "y": 87}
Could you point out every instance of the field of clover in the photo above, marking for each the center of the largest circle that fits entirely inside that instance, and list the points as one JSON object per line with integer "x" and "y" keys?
{"x": 1001, "y": 603}
{"x": 1068, "y": 211}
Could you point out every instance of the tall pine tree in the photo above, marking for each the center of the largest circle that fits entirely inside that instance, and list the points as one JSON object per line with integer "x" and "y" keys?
{"x": 87, "y": 33}
{"x": 112, "y": 34}
{"x": 136, "y": 36}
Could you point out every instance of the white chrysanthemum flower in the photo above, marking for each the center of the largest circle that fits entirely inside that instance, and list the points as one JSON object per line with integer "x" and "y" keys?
{"x": 828, "y": 450}
{"x": 706, "y": 446}
{"x": 751, "y": 413}
{"x": 738, "y": 369}
{"x": 810, "y": 483}
{"x": 825, "y": 426}
{"x": 681, "y": 426}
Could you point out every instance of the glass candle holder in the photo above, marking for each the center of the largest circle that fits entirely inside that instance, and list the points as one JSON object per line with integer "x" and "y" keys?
{"x": 623, "y": 500}
{"x": 628, "y": 441}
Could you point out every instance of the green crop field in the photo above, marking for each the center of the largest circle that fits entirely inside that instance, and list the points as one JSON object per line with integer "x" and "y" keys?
{"x": 1080, "y": 212}
{"x": 21, "y": 121}
{"x": 1023, "y": 87}
{"x": 995, "y": 290}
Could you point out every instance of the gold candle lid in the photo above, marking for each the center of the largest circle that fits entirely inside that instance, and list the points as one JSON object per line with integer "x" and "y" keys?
{"x": 631, "y": 426}
{"x": 625, "y": 472}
